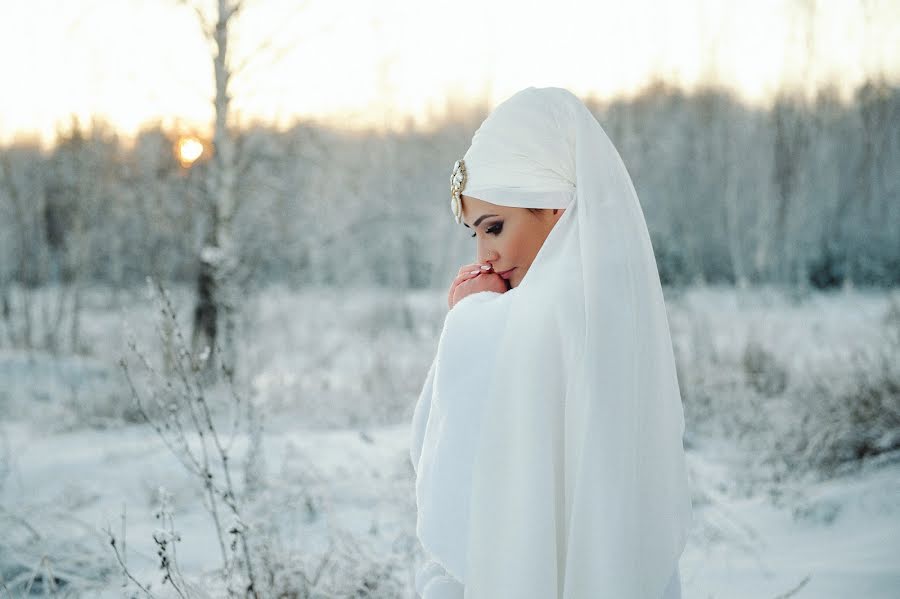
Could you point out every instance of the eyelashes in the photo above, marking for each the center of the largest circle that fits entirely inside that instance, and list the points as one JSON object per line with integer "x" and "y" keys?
{"x": 493, "y": 229}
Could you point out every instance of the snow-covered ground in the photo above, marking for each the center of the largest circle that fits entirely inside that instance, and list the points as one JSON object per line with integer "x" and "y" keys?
{"x": 336, "y": 374}
{"x": 840, "y": 536}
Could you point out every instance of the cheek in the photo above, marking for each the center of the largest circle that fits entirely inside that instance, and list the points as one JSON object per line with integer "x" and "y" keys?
{"x": 518, "y": 245}
{"x": 511, "y": 247}
{"x": 524, "y": 247}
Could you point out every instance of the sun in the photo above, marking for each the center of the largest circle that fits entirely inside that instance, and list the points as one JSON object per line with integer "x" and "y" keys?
{"x": 188, "y": 149}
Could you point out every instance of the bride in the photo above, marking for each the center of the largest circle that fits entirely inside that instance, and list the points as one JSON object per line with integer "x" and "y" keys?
{"x": 547, "y": 440}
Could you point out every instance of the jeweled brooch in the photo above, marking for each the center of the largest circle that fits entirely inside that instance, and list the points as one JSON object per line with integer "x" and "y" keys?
{"x": 457, "y": 184}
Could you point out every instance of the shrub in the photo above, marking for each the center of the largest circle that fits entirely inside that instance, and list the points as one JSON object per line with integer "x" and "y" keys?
{"x": 762, "y": 371}
{"x": 843, "y": 420}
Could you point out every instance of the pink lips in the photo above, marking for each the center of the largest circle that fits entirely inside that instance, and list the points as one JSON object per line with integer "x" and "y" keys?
{"x": 505, "y": 273}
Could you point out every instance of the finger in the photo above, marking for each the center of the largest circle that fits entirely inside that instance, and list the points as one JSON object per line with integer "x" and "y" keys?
{"x": 474, "y": 266}
{"x": 468, "y": 275}
{"x": 459, "y": 279}
{"x": 462, "y": 278}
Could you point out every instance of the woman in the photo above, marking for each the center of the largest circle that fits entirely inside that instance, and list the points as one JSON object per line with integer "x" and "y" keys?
{"x": 547, "y": 441}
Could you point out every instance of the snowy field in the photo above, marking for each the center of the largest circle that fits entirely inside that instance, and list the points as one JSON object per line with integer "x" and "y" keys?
{"x": 334, "y": 376}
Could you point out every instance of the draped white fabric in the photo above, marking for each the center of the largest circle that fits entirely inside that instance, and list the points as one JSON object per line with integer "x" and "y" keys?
{"x": 547, "y": 441}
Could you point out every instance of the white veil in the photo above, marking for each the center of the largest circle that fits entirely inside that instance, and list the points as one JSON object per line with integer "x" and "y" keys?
{"x": 551, "y": 461}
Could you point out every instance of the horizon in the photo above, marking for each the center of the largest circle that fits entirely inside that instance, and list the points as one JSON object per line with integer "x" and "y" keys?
{"x": 203, "y": 132}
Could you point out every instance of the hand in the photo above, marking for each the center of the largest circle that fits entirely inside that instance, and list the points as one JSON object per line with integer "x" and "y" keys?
{"x": 465, "y": 273}
{"x": 472, "y": 278}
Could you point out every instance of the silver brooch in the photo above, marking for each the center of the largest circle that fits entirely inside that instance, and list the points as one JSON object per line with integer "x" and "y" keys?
{"x": 457, "y": 183}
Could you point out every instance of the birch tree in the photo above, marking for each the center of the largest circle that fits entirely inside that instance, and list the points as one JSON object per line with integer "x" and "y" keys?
{"x": 217, "y": 294}
{"x": 217, "y": 254}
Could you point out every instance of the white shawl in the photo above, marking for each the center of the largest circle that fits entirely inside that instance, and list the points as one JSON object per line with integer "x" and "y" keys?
{"x": 563, "y": 474}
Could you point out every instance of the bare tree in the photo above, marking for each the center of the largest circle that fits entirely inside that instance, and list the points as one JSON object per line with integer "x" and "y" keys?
{"x": 217, "y": 290}
{"x": 25, "y": 269}
{"x": 217, "y": 253}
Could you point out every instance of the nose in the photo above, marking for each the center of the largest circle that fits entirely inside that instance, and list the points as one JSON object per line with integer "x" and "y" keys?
{"x": 486, "y": 255}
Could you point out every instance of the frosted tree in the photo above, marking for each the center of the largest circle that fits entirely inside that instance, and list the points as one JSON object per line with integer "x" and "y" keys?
{"x": 217, "y": 300}
{"x": 23, "y": 202}
{"x": 55, "y": 203}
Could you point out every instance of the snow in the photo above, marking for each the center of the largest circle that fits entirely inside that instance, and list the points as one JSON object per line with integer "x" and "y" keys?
{"x": 335, "y": 448}
{"x": 843, "y": 535}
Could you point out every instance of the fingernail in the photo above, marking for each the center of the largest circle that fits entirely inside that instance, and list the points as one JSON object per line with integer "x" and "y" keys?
{"x": 475, "y": 272}
{"x": 485, "y": 267}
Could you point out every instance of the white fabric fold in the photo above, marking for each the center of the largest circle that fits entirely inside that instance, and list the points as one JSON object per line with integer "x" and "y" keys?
{"x": 547, "y": 440}
{"x": 451, "y": 426}
{"x": 433, "y": 582}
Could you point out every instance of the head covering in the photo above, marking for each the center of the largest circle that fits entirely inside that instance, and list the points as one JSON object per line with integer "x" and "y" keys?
{"x": 547, "y": 441}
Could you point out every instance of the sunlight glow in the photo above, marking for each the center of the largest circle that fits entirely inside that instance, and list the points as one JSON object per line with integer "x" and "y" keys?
{"x": 188, "y": 150}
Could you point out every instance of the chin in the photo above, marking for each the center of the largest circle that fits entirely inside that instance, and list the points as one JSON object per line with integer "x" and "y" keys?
{"x": 514, "y": 281}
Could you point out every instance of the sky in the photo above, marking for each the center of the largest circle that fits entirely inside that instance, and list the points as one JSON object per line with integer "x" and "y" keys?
{"x": 358, "y": 63}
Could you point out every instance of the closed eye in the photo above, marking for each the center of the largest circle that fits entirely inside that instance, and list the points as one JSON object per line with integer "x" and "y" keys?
{"x": 493, "y": 229}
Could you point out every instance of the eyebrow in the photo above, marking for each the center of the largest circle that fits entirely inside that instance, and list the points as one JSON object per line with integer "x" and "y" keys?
{"x": 479, "y": 219}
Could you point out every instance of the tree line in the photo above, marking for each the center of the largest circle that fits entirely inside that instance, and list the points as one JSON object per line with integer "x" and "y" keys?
{"x": 802, "y": 193}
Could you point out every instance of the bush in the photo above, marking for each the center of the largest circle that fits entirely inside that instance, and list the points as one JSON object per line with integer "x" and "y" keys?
{"x": 244, "y": 509}
{"x": 845, "y": 419}
{"x": 762, "y": 371}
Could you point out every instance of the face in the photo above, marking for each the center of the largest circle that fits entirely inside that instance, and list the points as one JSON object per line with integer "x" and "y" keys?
{"x": 507, "y": 237}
